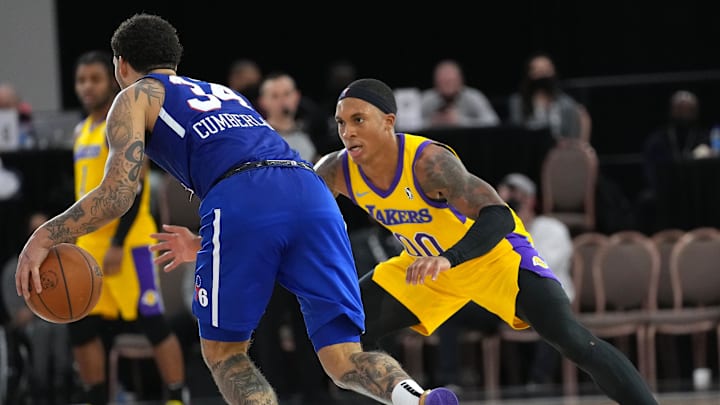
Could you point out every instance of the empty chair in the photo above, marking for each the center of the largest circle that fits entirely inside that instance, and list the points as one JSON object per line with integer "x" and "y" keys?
{"x": 585, "y": 247}
{"x": 624, "y": 273}
{"x": 694, "y": 278}
{"x": 569, "y": 177}
{"x": 665, "y": 240}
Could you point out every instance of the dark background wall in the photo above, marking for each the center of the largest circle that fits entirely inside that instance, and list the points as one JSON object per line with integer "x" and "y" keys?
{"x": 491, "y": 40}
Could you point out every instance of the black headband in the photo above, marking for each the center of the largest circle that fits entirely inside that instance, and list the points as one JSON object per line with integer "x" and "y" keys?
{"x": 370, "y": 96}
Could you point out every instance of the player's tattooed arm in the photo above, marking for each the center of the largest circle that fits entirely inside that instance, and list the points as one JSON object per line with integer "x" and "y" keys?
{"x": 116, "y": 193}
{"x": 442, "y": 176}
{"x": 329, "y": 167}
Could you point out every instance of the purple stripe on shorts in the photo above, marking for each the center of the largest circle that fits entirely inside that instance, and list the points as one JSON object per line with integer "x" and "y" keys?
{"x": 150, "y": 301}
{"x": 529, "y": 257}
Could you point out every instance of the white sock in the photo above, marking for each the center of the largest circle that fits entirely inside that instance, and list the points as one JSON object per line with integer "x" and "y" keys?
{"x": 407, "y": 392}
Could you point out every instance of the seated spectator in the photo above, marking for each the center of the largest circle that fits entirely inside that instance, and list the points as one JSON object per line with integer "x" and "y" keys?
{"x": 680, "y": 137}
{"x": 541, "y": 103}
{"x": 279, "y": 101}
{"x": 450, "y": 102}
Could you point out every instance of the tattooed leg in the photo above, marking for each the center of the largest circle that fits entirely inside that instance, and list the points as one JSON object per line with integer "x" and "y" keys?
{"x": 373, "y": 374}
{"x": 239, "y": 381}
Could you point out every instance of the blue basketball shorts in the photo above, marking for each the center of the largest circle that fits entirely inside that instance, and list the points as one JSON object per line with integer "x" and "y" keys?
{"x": 268, "y": 225}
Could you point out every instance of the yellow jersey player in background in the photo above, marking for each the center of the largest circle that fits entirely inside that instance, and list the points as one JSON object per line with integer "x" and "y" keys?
{"x": 130, "y": 290}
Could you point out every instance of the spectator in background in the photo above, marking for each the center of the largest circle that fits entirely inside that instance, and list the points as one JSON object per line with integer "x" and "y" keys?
{"x": 279, "y": 101}
{"x": 450, "y": 102}
{"x": 681, "y": 137}
{"x": 552, "y": 240}
{"x": 10, "y": 100}
{"x": 540, "y": 103}
{"x": 244, "y": 76}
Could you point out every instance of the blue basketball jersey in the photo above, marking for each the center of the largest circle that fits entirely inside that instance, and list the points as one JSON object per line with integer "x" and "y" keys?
{"x": 258, "y": 226}
{"x": 205, "y": 129}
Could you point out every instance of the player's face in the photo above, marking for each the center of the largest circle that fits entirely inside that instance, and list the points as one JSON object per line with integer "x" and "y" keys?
{"x": 364, "y": 129}
{"x": 94, "y": 86}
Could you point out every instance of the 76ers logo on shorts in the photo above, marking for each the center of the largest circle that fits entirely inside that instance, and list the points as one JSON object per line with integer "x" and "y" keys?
{"x": 201, "y": 295}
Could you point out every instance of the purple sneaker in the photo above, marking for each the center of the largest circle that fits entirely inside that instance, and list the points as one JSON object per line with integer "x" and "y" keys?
{"x": 439, "y": 396}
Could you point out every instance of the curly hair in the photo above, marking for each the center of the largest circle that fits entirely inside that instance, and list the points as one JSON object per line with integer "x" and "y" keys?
{"x": 147, "y": 42}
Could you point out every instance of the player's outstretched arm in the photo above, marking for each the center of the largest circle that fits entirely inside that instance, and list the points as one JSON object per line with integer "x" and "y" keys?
{"x": 178, "y": 244}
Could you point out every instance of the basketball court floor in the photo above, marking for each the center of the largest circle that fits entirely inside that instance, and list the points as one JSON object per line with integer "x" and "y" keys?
{"x": 671, "y": 393}
{"x": 687, "y": 398}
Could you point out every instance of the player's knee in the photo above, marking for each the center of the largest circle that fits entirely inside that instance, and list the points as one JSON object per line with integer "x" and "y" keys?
{"x": 85, "y": 330}
{"x": 337, "y": 361}
{"x": 155, "y": 328}
{"x": 335, "y": 342}
{"x": 215, "y": 352}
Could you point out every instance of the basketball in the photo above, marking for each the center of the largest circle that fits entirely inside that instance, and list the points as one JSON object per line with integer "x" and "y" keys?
{"x": 71, "y": 285}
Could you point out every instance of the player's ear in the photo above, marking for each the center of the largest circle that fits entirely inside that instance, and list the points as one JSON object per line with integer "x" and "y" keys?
{"x": 122, "y": 66}
{"x": 390, "y": 120}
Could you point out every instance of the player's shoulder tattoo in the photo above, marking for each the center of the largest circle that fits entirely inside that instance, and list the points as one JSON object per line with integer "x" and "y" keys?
{"x": 150, "y": 88}
{"x": 438, "y": 169}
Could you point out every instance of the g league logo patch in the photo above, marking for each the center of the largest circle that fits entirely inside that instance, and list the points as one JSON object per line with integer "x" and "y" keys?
{"x": 409, "y": 193}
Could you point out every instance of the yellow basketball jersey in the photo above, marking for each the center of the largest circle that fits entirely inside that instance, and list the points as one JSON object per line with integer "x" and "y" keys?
{"x": 121, "y": 292}
{"x": 428, "y": 227}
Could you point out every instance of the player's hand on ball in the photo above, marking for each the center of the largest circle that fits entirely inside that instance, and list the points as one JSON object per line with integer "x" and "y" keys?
{"x": 33, "y": 254}
{"x": 426, "y": 266}
{"x": 178, "y": 244}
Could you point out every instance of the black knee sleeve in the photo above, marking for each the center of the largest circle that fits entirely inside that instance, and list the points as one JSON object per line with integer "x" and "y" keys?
{"x": 85, "y": 330}
{"x": 155, "y": 328}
